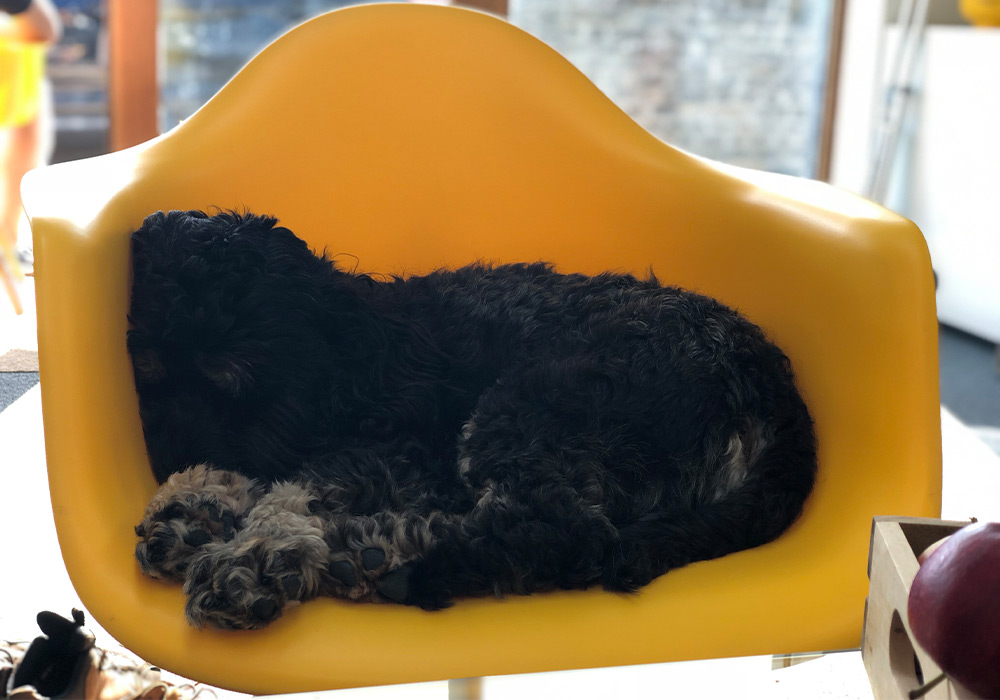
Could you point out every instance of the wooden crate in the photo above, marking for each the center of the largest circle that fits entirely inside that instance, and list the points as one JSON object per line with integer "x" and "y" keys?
{"x": 895, "y": 662}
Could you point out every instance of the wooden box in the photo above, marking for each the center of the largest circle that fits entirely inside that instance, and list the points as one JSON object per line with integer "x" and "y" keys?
{"x": 895, "y": 662}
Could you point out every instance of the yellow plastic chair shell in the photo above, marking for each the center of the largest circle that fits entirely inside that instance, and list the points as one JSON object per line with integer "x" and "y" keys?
{"x": 411, "y": 137}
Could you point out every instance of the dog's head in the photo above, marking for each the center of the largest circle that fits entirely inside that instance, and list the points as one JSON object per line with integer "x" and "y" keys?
{"x": 227, "y": 341}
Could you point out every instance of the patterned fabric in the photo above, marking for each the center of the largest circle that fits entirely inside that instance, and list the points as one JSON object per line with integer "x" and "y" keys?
{"x": 65, "y": 663}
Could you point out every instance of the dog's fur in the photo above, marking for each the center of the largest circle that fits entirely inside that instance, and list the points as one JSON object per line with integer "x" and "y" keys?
{"x": 500, "y": 430}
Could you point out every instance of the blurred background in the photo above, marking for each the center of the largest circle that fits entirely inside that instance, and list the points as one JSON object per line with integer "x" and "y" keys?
{"x": 893, "y": 99}
{"x": 742, "y": 81}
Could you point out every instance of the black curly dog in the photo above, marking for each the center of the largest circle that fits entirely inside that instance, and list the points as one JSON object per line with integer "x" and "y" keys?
{"x": 487, "y": 430}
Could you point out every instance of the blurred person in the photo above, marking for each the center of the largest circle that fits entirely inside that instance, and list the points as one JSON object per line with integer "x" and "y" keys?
{"x": 26, "y": 134}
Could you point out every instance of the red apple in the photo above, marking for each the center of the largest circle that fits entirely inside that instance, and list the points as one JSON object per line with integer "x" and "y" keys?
{"x": 954, "y": 607}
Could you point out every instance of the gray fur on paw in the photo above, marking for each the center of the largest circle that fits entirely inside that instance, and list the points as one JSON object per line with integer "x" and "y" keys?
{"x": 192, "y": 509}
{"x": 249, "y": 582}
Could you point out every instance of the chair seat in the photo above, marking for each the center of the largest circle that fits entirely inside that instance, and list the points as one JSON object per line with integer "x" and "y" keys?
{"x": 412, "y": 137}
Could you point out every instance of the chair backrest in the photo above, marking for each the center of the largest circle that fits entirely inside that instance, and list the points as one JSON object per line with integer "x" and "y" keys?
{"x": 411, "y": 137}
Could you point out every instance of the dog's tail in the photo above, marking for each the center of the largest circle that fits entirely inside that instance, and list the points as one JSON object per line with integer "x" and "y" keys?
{"x": 756, "y": 490}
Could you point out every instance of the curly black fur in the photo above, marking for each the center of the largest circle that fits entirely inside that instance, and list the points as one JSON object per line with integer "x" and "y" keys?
{"x": 501, "y": 428}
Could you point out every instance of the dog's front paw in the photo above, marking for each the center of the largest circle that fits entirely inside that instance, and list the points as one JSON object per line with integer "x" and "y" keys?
{"x": 249, "y": 582}
{"x": 412, "y": 584}
{"x": 195, "y": 507}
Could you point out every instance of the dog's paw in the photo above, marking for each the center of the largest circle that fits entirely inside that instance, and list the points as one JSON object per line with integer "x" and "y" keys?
{"x": 411, "y": 584}
{"x": 369, "y": 562}
{"x": 192, "y": 509}
{"x": 379, "y": 583}
{"x": 353, "y": 573}
{"x": 367, "y": 551}
{"x": 249, "y": 582}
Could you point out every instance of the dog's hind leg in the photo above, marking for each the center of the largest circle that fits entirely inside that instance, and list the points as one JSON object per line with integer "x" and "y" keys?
{"x": 515, "y": 540}
{"x": 193, "y": 508}
{"x": 539, "y": 471}
{"x": 755, "y": 495}
{"x": 679, "y": 535}
{"x": 277, "y": 560}
{"x": 523, "y": 540}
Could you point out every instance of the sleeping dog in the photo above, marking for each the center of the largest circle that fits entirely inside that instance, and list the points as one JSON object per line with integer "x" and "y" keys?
{"x": 487, "y": 430}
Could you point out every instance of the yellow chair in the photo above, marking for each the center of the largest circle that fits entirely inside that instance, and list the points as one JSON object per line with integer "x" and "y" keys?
{"x": 415, "y": 137}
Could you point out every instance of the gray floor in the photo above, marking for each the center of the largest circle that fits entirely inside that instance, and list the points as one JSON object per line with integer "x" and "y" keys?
{"x": 13, "y": 384}
{"x": 970, "y": 380}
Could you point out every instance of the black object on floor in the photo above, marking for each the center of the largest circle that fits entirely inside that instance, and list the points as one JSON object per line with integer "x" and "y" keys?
{"x": 57, "y": 658}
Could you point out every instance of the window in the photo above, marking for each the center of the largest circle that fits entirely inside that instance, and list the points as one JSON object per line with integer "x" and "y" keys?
{"x": 205, "y": 42}
{"x": 740, "y": 81}
{"x": 78, "y": 72}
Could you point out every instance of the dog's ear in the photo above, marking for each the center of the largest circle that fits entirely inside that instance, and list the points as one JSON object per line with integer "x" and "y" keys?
{"x": 231, "y": 374}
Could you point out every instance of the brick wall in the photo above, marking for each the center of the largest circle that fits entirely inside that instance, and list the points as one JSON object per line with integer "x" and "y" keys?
{"x": 735, "y": 80}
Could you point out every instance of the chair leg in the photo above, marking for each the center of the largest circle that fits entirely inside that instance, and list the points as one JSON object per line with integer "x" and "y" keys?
{"x": 465, "y": 689}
